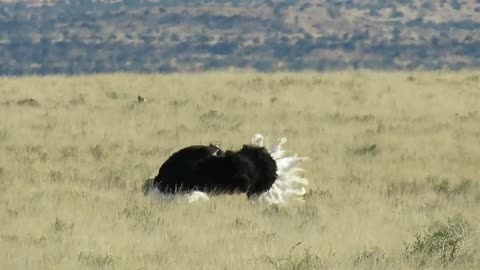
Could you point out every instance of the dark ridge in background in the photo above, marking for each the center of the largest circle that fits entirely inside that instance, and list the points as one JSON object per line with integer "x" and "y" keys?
{"x": 86, "y": 36}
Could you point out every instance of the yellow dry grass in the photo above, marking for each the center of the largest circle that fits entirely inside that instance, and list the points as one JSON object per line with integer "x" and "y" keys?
{"x": 391, "y": 154}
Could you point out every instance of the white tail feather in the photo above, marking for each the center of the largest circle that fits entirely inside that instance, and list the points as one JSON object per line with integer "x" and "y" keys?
{"x": 290, "y": 185}
{"x": 197, "y": 196}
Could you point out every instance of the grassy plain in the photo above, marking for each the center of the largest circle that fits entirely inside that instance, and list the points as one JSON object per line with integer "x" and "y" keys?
{"x": 393, "y": 155}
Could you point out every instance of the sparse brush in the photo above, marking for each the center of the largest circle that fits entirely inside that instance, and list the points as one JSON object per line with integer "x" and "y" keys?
{"x": 68, "y": 152}
{"x": 112, "y": 95}
{"x": 368, "y": 149}
{"x": 56, "y": 176}
{"x": 308, "y": 211}
{"x": 443, "y": 186}
{"x": 477, "y": 198}
{"x": 98, "y": 152}
{"x": 463, "y": 187}
{"x": 404, "y": 187}
{"x": 96, "y": 260}
{"x": 143, "y": 219}
{"x": 242, "y": 222}
{"x": 80, "y": 100}
{"x": 28, "y": 102}
{"x": 178, "y": 102}
{"x": 370, "y": 258}
{"x": 275, "y": 210}
{"x": 3, "y": 134}
{"x": 305, "y": 261}
{"x": 60, "y": 226}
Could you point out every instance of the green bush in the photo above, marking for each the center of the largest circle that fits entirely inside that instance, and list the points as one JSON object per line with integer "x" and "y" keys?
{"x": 441, "y": 243}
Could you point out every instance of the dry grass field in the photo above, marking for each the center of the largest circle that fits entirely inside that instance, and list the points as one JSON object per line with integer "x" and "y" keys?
{"x": 394, "y": 171}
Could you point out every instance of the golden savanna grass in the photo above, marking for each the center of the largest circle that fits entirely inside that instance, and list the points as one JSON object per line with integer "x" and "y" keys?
{"x": 393, "y": 155}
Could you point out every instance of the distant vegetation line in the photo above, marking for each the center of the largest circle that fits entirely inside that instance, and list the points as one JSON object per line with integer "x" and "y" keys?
{"x": 87, "y": 36}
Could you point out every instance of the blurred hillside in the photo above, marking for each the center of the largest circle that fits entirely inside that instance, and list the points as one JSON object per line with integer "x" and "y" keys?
{"x": 88, "y": 36}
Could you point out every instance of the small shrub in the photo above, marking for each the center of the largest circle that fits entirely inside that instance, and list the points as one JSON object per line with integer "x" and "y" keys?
{"x": 352, "y": 177}
{"x": 178, "y": 102}
{"x": 467, "y": 116}
{"x": 317, "y": 193}
{"x": 242, "y": 222}
{"x": 306, "y": 261}
{"x": 473, "y": 77}
{"x": 9, "y": 237}
{"x": 286, "y": 81}
{"x": 380, "y": 128}
{"x": 60, "y": 226}
{"x": 462, "y": 188}
{"x": 255, "y": 82}
{"x": 274, "y": 210}
{"x": 98, "y": 152}
{"x": 143, "y": 218}
{"x": 80, "y": 100}
{"x": 441, "y": 242}
{"x": 403, "y": 187}
{"x": 443, "y": 187}
{"x": 112, "y": 95}
{"x": 113, "y": 179}
{"x": 337, "y": 117}
{"x": 370, "y": 257}
{"x": 68, "y": 152}
{"x": 56, "y": 176}
{"x": 316, "y": 81}
{"x": 211, "y": 115}
{"x": 95, "y": 260}
{"x": 369, "y": 149}
{"x": 308, "y": 211}
{"x": 3, "y": 134}
{"x": 269, "y": 236}
{"x": 39, "y": 241}
{"x": 28, "y": 102}
{"x": 363, "y": 118}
